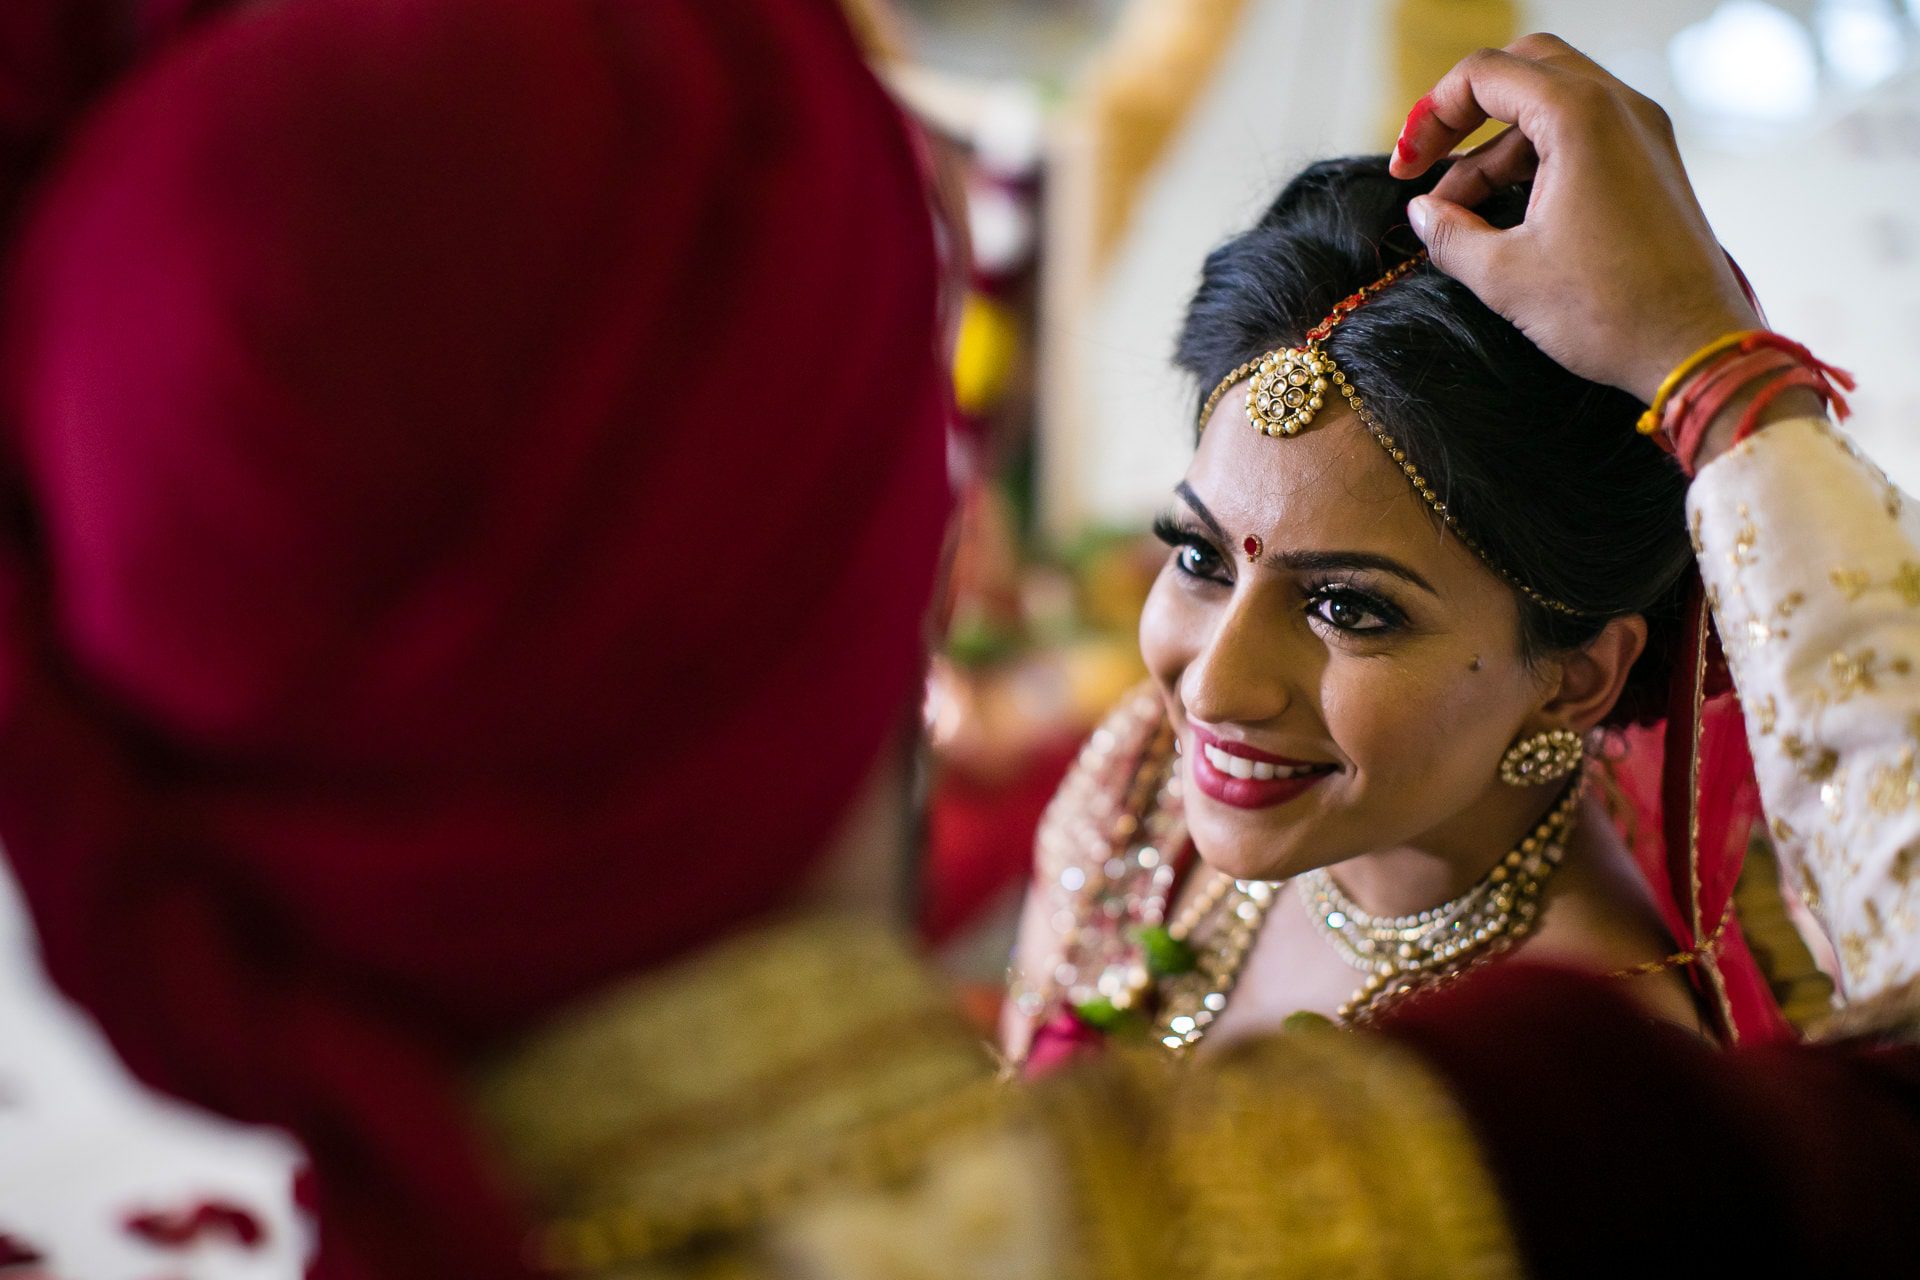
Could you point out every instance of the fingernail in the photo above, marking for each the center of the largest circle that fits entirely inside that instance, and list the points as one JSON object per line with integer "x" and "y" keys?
{"x": 1419, "y": 214}
{"x": 1403, "y": 150}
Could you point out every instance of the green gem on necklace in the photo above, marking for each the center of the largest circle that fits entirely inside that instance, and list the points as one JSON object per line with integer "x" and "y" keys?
{"x": 1103, "y": 1014}
{"x": 1165, "y": 954}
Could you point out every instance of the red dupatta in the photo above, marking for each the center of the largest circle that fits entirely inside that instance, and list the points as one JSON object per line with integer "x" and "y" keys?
{"x": 1687, "y": 807}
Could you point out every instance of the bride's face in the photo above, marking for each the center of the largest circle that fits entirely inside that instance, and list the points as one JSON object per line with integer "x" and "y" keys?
{"x": 1365, "y": 669}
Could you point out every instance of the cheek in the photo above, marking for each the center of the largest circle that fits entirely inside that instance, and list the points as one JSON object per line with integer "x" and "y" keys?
{"x": 1422, "y": 717}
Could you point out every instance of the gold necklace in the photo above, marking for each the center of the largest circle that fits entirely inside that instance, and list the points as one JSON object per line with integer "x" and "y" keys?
{"x": 1190, "y": 1001}
{"x": 1400, "y": 953}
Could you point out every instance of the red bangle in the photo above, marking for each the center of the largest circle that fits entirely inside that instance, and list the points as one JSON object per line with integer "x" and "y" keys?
{"x": 1709, "y": 394}
{"x": 1796, "y": 377}
{"x": 1762, "y": 356}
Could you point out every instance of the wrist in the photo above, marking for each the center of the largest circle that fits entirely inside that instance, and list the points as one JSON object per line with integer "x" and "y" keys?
{"x": 1796, "y": 402}
{"x": 1681, "y": 344}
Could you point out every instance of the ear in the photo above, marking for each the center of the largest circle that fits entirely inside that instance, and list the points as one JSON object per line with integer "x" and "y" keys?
{"x": 1592, "y": 676}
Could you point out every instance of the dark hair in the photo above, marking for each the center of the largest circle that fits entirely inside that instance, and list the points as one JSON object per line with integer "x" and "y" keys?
{"x": 1542, "y": 468}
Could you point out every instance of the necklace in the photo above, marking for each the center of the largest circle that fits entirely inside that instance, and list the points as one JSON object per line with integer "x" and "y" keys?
{"x": 1400, "y": 953}
{"x": 1191, "y": 998}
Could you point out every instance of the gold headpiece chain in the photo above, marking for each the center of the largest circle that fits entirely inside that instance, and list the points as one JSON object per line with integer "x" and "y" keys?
{"x": 1289, "y": 388}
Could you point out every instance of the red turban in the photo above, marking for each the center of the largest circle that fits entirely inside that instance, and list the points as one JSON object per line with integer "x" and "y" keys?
{"x": 474, "y": 472}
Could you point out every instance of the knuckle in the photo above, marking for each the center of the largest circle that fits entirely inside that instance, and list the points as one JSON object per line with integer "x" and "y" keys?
{"x": 1654, "y": 116}
{"x": 1540, "y": 44}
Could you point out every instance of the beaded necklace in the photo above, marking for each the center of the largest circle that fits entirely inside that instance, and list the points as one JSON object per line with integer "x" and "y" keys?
{"x": 1399, "y": 953}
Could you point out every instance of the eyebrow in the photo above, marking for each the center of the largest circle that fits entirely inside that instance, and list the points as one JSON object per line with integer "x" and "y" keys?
{"x": 1308, "y": 561}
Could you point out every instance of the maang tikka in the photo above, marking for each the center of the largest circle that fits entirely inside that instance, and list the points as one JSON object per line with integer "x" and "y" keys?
{"x": 1289, "y": 389}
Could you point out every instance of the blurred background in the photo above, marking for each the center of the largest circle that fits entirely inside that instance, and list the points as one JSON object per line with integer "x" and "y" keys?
{"x": 1106, "y": 145}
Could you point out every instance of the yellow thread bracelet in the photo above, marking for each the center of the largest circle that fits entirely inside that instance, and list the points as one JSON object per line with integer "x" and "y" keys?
{"x": 1650, "y": 420}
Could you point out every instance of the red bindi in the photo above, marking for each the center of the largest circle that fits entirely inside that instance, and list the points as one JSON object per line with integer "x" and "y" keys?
{"x": 1252, "y": 545}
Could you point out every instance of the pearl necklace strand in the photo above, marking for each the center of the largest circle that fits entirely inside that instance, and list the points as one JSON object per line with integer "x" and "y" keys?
{"x": 1397, "y": 953}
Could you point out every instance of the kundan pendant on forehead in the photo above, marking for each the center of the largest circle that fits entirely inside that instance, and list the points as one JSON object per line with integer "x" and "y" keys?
{"x": 1289, "y": 388}
{"x": 1290, "y": 384}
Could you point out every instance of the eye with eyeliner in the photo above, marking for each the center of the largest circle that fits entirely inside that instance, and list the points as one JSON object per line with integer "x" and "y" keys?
{"x": 1194, "y": 553}
{"x": 1346, "y": 607}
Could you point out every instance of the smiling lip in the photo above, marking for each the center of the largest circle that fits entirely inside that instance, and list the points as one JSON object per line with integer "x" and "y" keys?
{"x": 1269, "y": 779}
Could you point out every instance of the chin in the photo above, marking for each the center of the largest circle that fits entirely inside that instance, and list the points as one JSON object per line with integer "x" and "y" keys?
{"x": 1247, "y": 854}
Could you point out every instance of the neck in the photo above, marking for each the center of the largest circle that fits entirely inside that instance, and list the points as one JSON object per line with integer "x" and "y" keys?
{"x": 1448, "y": 861}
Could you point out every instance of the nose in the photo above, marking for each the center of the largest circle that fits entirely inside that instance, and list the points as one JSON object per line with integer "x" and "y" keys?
{"x": 1249, "y": 668}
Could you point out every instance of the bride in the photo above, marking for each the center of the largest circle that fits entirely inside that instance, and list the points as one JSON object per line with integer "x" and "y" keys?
{"x": 1419, "y": 577}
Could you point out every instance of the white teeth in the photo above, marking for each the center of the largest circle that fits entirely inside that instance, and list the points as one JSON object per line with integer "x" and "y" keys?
{"x": 1258, "y": 770}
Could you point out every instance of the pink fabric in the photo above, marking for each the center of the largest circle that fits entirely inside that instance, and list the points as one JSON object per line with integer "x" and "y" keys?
{"x": 474, "y": 472}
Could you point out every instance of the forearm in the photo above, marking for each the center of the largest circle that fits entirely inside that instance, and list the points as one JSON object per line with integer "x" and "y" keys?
{"x": 1812, "y": 563}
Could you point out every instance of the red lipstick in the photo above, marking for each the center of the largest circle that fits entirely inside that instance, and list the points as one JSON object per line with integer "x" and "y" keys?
{"x": 1249, "y": 793}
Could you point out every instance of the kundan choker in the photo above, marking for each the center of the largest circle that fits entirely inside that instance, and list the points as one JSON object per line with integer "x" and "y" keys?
{"x": 1402, "y": 953}
{"x": 1289, "y": 388}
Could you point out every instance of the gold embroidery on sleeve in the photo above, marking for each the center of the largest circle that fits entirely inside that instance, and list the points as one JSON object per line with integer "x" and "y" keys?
{"x": 1905, "y": 862}
{"x": 1851, "y": 583}
{"x": 1741, "y": 553}
{"x": 1852, "y": 673}
{"x": 1906, "y": 581}
{"x": 1892, "y": 787}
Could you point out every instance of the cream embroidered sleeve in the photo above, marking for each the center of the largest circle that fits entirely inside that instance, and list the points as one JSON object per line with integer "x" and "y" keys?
{"x": 1811, "y": 558}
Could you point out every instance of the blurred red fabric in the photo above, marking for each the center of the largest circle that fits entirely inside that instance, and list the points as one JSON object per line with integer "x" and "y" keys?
{"x": 473, "y": 479}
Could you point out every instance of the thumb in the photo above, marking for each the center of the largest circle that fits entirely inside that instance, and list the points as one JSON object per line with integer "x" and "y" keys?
{"x": 1458, "y": 240}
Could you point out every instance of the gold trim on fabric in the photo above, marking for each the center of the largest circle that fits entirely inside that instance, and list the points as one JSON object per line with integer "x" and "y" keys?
{"x": 1706, "y": 947}
{"x": 704, "y": 1099}
{"x": 1311, "y": 1154}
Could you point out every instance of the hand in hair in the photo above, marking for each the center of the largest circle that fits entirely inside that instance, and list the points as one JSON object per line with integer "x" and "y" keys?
{"x": 1614, "y": 271}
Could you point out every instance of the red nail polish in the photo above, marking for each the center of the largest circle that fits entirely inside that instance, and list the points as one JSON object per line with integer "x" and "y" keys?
{"x": 1403, "y": 150}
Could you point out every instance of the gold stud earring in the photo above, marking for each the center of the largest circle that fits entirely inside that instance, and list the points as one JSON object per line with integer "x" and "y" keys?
{"x": 1543, "y": 757}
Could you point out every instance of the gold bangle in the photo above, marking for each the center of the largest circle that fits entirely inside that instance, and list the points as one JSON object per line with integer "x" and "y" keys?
{"x": 1650, "y": 420}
